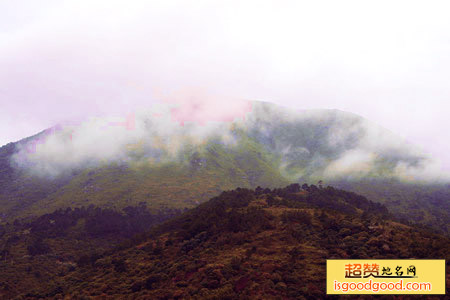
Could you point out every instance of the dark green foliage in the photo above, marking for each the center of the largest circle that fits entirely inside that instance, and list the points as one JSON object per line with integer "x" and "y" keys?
{"x": 296, "y": 217}
{"x": 424, "y": 203}
{"x": 119, "y": 265}
{"x": 34, "y": 253}
{"x": 38, "y": 246}
{"x": 99, "y": 222}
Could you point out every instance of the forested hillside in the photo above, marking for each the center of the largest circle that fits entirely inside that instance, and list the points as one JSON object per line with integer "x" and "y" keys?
{"x": 259, "y": 244}
{"x": 34, "y": 253}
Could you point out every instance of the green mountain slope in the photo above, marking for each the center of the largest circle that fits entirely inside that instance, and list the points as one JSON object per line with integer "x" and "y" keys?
{"x": 272, "y": 147}
{"x": 199, "y": 175}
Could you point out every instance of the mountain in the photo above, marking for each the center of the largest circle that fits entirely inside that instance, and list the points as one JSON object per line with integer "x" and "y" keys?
{"x": 201, "y": 174}
{"x": 246, "y": 244}
{"x": 421, "y": 203}
{"x": 166, "y": 164}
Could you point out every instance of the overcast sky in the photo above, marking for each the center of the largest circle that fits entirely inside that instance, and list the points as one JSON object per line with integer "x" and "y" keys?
{"x": 388, "y": 61}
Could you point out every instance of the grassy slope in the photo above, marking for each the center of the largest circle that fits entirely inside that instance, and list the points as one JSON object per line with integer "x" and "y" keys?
{"x": 202, "y": 175}
{"x": 19, "y": 190}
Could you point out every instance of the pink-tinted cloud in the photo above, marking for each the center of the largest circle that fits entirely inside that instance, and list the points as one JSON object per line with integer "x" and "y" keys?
{"x": 198, "y": 107}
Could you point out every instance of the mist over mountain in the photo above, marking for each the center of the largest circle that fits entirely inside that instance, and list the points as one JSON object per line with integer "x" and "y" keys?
{"x": 319, "y": 144}
{"x": 180, "y": 155}
{"x": 331, "y": 144}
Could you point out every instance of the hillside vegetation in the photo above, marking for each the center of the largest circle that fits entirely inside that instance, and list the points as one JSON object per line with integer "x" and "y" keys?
{"x": 199, "y": 175}
{"x": 246, "y": 244}
{"x": 35, "y": 253}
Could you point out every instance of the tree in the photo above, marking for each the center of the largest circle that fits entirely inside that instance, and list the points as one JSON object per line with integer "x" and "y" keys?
{"x": 37, "y": 247}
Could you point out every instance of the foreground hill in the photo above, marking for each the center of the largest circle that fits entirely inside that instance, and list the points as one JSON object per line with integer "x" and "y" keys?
{"x": 165, "y": 164}
{"x": 35, "y": 253}
{"x": 258, "y": 244}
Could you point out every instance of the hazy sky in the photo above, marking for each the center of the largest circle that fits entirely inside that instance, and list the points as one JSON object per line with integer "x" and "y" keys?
{"x": 388, "y": 61}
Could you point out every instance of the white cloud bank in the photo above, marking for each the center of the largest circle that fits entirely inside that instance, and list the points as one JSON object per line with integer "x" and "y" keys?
{"x": 333, "y": 144}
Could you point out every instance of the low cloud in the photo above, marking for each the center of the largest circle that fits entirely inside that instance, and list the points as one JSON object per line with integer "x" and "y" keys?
{"x": 331, "y": 144}
{"x": 353, "y": 163}
{"x": 156, "y": 134}
{"x": 326, "y": 144}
